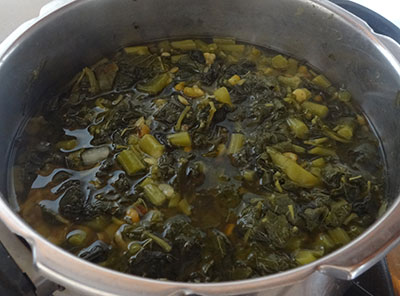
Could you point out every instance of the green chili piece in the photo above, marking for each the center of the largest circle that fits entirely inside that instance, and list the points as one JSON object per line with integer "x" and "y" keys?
{"x": 159, "y": 241}
{"x": 154, "y": 194}
{"x": 181, "y": 139}
{"x": 322, "y": 151}
{"x": 176, "y": 58}
{"x": 294, "y": 171}
{"x": 322, "y": 81}
{"x": 333, "y": 135}
{"x": 248, "y": 175}
{"x": 232, "y": 48}
{"x": 221, "y": 41}
{"x": 155, "y": 85}
{"x": 317, "y": 141}
{"x": 298, "y": 127}
{"x": 77, "y": 237}
{"x": 292, "y": 66}
{"x": 319, "y": 162}
{"x": 315, "y": 109}
{"x": 339, "y": 236}
{"x": 304, "y": 257}
{"x": 185, "y": 207}
{"x": 67, "y": 145}
{"x": 293, "y": 82}
{"x": 99, "y": 223}
{"x": 164, "y": 46}
{"x": 184, "y": 44}
{"x": 345, "y": 131}
{"x": 344, "y": 96}
{"x": 325, "y": 241}
{"x": 94, "y": 85}
{"x": 151, "y": 146}
{"x": 298, "y": 149}
{"x": 346, "y": 128}
{"x": 201, "y": 45}
{"x": 130, "y": 162}
{"x": 181, "y": 118}
{"x": 174, "y": 201}
{"x": 236, "y": 143}
{"x": 138, "y": 50}
{"x": 133, "y": 248}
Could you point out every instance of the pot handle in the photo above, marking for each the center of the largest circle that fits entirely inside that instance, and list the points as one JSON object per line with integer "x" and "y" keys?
{"x": 351, "y": 272}
{"x": 391, "y": 45}
{"x": 14, "y": 224}
{"x": 53, "y": 6}
{"x": 44, "y": 11}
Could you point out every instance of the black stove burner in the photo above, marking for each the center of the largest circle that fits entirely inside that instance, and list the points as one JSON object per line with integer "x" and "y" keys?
{"x": 13, "y": 282}
{"x": 374, "y": 282}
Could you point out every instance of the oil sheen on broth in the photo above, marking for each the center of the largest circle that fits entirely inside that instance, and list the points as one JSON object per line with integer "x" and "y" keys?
{"x": 200, "y": 161}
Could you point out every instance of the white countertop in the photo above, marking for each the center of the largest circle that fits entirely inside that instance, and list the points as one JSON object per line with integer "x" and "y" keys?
{"x": 15, "y": 12}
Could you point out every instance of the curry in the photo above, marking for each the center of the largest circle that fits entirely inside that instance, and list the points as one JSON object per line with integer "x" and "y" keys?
{"x": 199, "y": 161}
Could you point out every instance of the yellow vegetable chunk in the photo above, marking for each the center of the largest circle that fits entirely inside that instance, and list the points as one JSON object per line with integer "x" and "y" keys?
{"x": 180, "y": 86}
{"x": 222, "y": 95}
{"x": 193, "y": 92}
{"x": 346, "y": 129}
{"x": 279, "y": 62}
{"x": 209, "y": 57}
{"x": 302, "y": 94}
{"x": 234, "y": 79}
{"x": 294, "y": 171}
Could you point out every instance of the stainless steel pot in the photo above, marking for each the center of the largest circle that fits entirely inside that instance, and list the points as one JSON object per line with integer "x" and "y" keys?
{"x": 45, "y": 53}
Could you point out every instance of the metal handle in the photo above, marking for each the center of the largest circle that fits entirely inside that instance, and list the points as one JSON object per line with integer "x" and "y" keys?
{"x": 352, "y": 272}
{"x": 391, "y": 45}
{"x": 44, "y": 11}
{"x": 16, "y": 225}
{"x": 351, "y": 265}
{"x": 388, "y": 42}
{"x": 53, "y": 6}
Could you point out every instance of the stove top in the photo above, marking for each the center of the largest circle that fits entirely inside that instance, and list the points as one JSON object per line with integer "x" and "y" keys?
{"x": 17, "y": 275}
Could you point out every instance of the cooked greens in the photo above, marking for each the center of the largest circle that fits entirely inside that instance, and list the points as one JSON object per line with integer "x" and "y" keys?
{"x": 199, "y": 161}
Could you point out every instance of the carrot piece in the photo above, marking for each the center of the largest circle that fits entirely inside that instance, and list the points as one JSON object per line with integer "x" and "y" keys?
{"x": 229, "y": 229}
{"x": 141, "y": 209}
{"x": 133, "y": 214}
{"x": 143, "y": 130}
